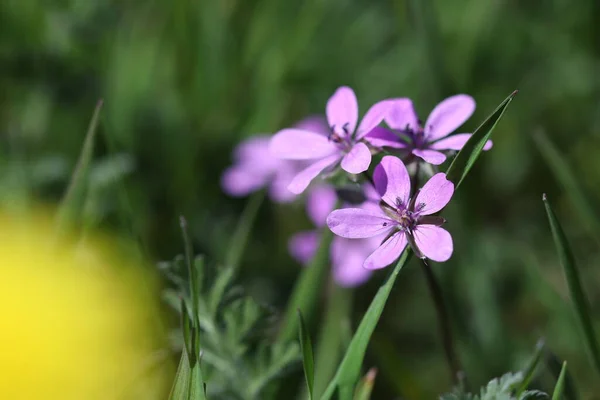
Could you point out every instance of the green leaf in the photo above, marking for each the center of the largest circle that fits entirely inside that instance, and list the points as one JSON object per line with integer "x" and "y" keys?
{"x": 74, "y": 198}
{"x": 531, "y": 367}
{"x": 580, "y": 301}
{"x": 558, "y": 389}
{"x": 555, "y": 366}
{"x": 566, "y": 178}
{"x": 192, "y": 273}
{"x": 365, "y": 386}
{"x": 307, "y": 354}
{"x": 181, "y": 384}
{"x": 242, "y": 232}
{"x": 349, "y": 369}
{"x": 308, "y": 287}
{"x": 466, "y": 157}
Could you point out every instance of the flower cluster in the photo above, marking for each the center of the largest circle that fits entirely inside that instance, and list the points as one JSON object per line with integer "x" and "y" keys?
{"x": 394, "y": 211}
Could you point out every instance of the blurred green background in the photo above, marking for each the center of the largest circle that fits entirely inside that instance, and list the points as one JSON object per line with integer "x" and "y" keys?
{"x": 184, "y": 81}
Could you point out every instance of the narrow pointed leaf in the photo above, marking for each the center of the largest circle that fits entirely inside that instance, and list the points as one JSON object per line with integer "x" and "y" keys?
{"x": 466, "y": 157}
{"x": 566, "y": 178}
{"x": 73, "y": 200}
{"x": 307, "y": 354}
{"x": 365, "y": 386}
{"x": 571, "y": 271}
{"x": 559, "y": 388}
{"x": 197, "y": 386}
{"x": 554, "y": 364}
{"x": 181, "y": 384}
{"x": 192, "y": 273}
{"x": 531, "y": 367}
{"x": 239, "y": 239}
{"x": 349, "y": 369}
{"x": 307, "y": 289}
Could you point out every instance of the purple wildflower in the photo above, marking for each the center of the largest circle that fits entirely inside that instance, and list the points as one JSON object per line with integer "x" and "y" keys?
{"x": 343, "y": 143}
{"x": 402, "y": 219}
{"x": 428, "y": 141}
{"x": 255, "y": 167}
{"x": 347, "y": 255}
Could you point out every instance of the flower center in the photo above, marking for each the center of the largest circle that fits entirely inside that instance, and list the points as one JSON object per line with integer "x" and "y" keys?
{"x": 405, "y": 218}
{"x": 415, "y": 136}
{"x": 341, "y": 137}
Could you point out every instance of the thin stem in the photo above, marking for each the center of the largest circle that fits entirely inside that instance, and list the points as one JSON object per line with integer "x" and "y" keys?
{"x": 444, "y": 325}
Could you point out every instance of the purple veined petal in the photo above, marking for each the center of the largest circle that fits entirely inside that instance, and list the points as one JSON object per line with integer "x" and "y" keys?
{"x": 387, "y": 253}
{"x": 372, "y": 118}
{"x": 297, "y": 144}
{"x": 303, "y": 246}
{"x": 319, "y": 203}
{"x": 304, "y": 177}
{"x": 238, "y": 182}
{"x": 392, "y": 181}
{"x": 381, "y": 137}
{"x": 456, "y": 142}
{"x": 356, "y": 223}
{"x": 448, "y": 115}
{"x": 431, "y": 156}
{"x": 342, "y": 109}
{"x": 347, "y": 258}
{"x": 434, "y": 242}
{"x": 315, "y": 123}
{"x": 434, "y": 195}
{"x": 401, "y": 114}
{"x": 358, "y": 159}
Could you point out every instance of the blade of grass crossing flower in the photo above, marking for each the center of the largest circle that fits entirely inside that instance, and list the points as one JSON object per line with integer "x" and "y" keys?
{"x": 365, "y": 386}
{"x": 307, "y": 354}
{"x": 331, "y": 336}
{"x": 558, "y": 389}
{"x": 531, "y": 367}
{"x": 466, "y": 157}
{"x": 566, "y": 178}
{"x": 307, "y": 289}
{"x": 240, "y": 236}
{"x": 74, "y": 197}
{"x": 580, "y": 301}
{"x": 349, "y": 369}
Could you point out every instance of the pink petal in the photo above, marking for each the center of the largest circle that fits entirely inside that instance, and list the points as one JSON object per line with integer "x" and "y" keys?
{"x": 296, "y": 144}
{"x": 449, "y": 115}
{"x": 347, "y": 258}
{"x": 303, "y": 246}
{"x": 319, "y": 203}
{"x": 387, "y": 253}
{"x": 372, "y": 118}
{"x": 342, "y": 109}
{"x": 431, "y": 156}
{"x": 315, "y": 123}
{"x": 434, "y": 242}
{"x": 401, "y": 113}
{"x": 381, "y": 137}
{"x": 456, "y": 142}
{"x": 392, "y": 181}
{"x": 303, "y": 179}
{"x": 434, "y": 196}
{"x": 356, "y": 223}
{"x": 237, "y": 181}
{"x": 357, "y": 160}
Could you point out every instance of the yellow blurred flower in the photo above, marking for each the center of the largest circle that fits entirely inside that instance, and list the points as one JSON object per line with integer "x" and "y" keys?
{"x": 76, "y": 322}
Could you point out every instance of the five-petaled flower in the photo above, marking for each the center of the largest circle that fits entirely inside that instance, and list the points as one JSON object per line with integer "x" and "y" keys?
{"x": 344, "y": 142}
{"x": 429, "y": 140}
{"x": 405, "y": 220}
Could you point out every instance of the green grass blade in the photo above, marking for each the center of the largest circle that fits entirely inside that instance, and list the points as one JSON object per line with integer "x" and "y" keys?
{"x": 307, "y": 289}
{"x": 554, "y": 365}
{"x": 558, "y": 389}
{"x": 74, "y": 197}
{"x": 580, "y": 301}
{"x": 349, "y": 369}
{"x": 566, "y": 178}
{"x": 307, "y": 355}
{"x": 531, "y": 367}
{"x": 181, "y": 384}
{"x": 242, "y": 232}
{"x": 331, "y": 337}
{"x": 365, "y": 386}
{"x": 466, "y": 157}
{"x": 197, "y": 386}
